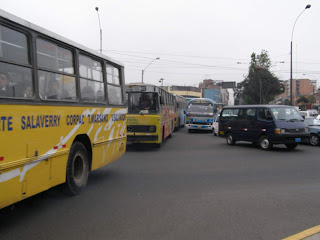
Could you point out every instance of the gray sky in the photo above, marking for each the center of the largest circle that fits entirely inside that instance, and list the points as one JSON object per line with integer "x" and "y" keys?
{"x": 195, "y": 40}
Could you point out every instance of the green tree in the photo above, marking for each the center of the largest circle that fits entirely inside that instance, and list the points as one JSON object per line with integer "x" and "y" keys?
{"x": 260, "y": 86}
{"x": 303, "y": 99}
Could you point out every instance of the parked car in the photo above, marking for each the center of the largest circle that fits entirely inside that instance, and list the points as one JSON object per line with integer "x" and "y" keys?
{"x": 264, "y": 125}
{"x": 309, "y": 113}
{"x": 216, "y": 126}
{"x": 314, "y": 128}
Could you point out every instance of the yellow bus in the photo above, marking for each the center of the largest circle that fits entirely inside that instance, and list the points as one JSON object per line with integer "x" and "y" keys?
{"x": 150, "y": 114}
{"x": 179, "y": 111}
{"x": 62, "y": 111}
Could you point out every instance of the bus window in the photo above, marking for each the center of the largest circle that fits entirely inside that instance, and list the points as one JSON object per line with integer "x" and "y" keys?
{"x": 50, "y": 56}
{"x": 13, "y": 45}
{"x": 55, "y": 63}
{"x": 91, "y": 80}
{"x": 14, "y": 80}
{"x": 113, "y": 85}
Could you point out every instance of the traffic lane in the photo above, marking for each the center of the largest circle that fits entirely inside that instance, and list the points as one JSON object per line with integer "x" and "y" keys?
{"x": 253, "y": 192}
{"x": 172, "y": 193}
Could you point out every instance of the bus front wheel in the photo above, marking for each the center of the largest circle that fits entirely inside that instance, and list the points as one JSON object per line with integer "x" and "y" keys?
{"x": 77, "y": 169}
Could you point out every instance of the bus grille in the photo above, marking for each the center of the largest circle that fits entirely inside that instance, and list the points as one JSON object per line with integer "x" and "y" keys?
{"x": 201, "y": 123}
{"x": 141, "y": 128}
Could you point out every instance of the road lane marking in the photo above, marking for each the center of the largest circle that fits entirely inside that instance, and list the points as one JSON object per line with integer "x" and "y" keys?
{"x": 305, "y": 234}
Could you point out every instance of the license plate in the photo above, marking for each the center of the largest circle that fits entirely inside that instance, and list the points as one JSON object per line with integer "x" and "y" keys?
{"x": 297, "y": 140}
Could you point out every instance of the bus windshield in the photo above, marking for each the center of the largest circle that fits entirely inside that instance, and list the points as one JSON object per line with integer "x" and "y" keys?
{"x": 200, "y": 109}
{"x": 143, "y": 102}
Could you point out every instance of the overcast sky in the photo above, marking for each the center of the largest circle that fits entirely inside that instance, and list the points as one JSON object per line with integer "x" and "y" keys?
{"x": 195, "y": 40}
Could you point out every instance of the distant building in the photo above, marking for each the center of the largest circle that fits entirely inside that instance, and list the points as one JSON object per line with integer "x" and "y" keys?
{"x": 186, "y": 91}
{"x": 213, "y": 94}
{"x": 300, "y": 87}
{"x": 213, "y": 89}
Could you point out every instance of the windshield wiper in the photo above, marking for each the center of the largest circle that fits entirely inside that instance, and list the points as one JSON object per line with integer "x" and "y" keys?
{"x": 293, "y": 120}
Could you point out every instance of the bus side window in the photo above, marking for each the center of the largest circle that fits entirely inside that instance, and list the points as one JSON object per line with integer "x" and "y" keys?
{"x": 13, "y": 77}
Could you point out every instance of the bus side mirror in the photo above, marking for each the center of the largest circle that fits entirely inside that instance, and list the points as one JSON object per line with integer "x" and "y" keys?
{"x": 184, "y": 112}
{"x": 215, "y": 110}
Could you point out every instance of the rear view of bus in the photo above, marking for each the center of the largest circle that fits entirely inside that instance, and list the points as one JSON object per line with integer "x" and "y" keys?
{"x": 150, "y": 114}
{"x": 200, "y": 114}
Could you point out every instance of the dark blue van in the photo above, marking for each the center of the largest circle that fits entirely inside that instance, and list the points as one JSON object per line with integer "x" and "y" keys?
{"x": 264, "y": 125}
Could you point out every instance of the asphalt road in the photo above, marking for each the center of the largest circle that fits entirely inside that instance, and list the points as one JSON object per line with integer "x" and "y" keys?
{"x": 194, "y": 187}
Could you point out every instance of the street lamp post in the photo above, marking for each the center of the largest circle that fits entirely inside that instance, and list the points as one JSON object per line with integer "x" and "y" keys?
{"x": 308, "y": 6}
{"x": 148, "y": 66}
{"x": 100, "y": 30}
{"x": 161, "y": 80}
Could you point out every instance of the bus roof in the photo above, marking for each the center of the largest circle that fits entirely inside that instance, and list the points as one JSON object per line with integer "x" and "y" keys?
{"x": 13, "y": 18}
{"x": 143, "y": 87}
{"x": 198, "y": 100}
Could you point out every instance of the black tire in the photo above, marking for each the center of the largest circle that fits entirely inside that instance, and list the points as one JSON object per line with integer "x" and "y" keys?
{"x": 314, "y": 140}
{"x": 77, "y": 169}
{"x": 291, "y": 145}
{"x": 189, "y": 130}
{"x": 264, "y": 143}
{"x": 230, "y": 139}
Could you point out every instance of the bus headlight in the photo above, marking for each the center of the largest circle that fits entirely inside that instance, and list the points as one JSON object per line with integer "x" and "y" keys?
{"x": 152, "y": 129}
{"x": 280, "y": 130}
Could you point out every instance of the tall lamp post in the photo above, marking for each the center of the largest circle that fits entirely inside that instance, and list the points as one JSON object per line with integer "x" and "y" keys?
{"x": 161, "y": 80}
{"x": 100, "y": 30}
{"x": 148, "y": 66}
{"x": 308, "y": 6}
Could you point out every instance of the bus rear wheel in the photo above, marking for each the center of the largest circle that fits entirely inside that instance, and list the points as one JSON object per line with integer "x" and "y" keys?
{"x": 77, "y": 169}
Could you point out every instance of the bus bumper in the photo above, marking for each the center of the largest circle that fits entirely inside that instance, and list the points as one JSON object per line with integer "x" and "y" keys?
{"x": 199, "y": 127}
{"x": 142, "y": 138}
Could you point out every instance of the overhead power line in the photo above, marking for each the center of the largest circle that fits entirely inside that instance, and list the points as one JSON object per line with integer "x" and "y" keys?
{"x": 176, "y": 55}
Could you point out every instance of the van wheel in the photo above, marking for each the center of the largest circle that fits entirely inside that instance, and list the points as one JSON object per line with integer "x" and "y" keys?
{"x": 291, "y": 145}
{"x": 264, "y": 143}
{"x": 314, "y": 140}
{"x": 77, "y": 170}
{"x": 230, "y": 139}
